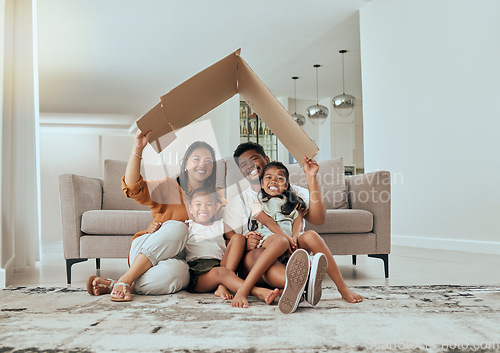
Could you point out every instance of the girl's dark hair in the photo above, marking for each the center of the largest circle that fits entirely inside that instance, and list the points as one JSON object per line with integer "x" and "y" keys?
{"x": 183, "y": 177}
{"x": 293, "y": 201}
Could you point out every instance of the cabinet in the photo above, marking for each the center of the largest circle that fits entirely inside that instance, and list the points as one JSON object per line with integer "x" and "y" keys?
{"x": 255, "y": 130}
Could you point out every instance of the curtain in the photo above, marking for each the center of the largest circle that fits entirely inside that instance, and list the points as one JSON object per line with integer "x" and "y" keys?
{"x": 20, "y": 139}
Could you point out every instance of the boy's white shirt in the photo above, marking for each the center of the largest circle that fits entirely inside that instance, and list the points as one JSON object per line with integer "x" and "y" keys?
{"x": 205, "y": 242}
{"x": 239, "y": 208}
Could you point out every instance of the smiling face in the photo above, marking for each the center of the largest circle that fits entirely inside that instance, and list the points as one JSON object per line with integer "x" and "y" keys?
{"x": 202, "y": 208}
{"x": 251, "y": 164}
{"x": 274, "y": 181}
{"x": 199, "y": 165}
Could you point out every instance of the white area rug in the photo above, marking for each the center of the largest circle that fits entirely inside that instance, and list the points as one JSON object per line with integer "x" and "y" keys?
{"x": 414, "y": 319}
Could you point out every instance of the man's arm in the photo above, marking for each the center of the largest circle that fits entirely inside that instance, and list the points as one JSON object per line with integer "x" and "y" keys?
{"x": 317, "y": 209}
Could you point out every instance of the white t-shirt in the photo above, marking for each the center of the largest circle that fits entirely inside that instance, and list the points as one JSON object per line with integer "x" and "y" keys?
{"x": 205, "y": 242}
{"x": 239, "y": 208}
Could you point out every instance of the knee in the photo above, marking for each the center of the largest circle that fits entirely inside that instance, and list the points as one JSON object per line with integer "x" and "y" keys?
{"x": 238, "y": 240}
{"x": 173, "y": 231}
{"x": 310, "y": 235}
{"x": 280, "y": 242}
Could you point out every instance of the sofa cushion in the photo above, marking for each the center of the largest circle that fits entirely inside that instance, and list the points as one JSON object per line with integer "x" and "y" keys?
{"x": 113, "y": 197}
{"x": 344, "y": 221}
{"x": 115, "y": 221}
{"x": 331, "y": 179}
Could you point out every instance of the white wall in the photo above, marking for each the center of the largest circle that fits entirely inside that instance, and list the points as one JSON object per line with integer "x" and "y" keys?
{"x": 431, "y": 77}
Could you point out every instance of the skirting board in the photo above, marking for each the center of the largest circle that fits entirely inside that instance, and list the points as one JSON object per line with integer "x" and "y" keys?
{"x": 6, "y": 272}
{"x": 475, "y": 246}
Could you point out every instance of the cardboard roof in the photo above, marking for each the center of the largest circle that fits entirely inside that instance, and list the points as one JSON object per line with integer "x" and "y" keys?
{"x": 212, "y": 87}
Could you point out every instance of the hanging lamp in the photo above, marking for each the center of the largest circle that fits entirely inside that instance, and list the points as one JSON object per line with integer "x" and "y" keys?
{"x": 299, "y": 118}
{"x": 343, "y": 103}
{"x": 317, "y": 113}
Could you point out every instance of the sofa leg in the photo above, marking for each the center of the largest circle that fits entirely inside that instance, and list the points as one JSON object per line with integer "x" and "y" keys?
{"x": 354, "y": 259}
{"x": 97, "y": 264}
{"x": 69, "y": 263}
{"x": 385, "y": 258}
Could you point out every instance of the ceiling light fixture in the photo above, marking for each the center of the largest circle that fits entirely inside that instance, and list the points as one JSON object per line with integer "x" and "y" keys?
{"x": 317, "y": 113}
{"x": 299, "y": 118}
{"x": 343, "y": 103}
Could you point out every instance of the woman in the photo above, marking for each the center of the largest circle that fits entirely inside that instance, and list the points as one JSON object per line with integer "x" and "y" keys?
{"x": 156, "y": 263}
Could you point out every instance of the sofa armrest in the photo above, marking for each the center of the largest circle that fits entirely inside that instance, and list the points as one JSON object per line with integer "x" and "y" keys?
{"x": 78, "y": 195}
{"x": 372, "y": 192}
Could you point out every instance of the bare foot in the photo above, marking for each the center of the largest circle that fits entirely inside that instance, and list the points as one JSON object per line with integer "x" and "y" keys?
{"x": 239, "y": 300}
{"x": 350, "y": 296}
{"x": 98, "y": 286}
{"x": 223, "y": 293}
{"x": 273, "y": 294}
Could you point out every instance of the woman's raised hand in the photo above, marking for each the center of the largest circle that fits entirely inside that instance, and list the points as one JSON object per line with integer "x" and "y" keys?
{"x": 141, "y": 140}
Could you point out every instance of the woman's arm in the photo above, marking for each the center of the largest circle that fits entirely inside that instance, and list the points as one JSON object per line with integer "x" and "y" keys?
{"x": 133, "y": 171}
{"x": 317, "y": 209}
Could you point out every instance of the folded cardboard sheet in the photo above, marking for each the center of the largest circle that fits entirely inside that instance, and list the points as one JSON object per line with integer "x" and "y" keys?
{"x": 212, "y": 87}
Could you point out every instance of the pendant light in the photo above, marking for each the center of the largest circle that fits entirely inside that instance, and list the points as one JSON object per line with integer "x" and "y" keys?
{"x": 299, "y": 118}
{"x": 343, "y": 103}
{"x": 317, "y": 113}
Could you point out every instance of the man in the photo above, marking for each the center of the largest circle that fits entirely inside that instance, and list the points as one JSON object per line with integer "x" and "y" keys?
{"x": 251, "y": 160}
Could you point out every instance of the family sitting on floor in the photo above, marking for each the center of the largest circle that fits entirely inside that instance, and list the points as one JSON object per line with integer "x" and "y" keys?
{"x": 254, "y": 244}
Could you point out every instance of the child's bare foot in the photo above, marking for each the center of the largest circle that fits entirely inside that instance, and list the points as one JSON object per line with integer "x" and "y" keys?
{"x": 350, "y": 296}
{"x": 223, "y": 293}
{"x": 273, "y": 294}
{"x": 239, "y": 300}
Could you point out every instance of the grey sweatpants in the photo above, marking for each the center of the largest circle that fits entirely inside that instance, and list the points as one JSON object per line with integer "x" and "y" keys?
{"x": 164, "y": 248}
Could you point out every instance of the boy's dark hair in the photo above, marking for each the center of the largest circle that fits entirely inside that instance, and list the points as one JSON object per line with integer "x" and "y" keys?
{"x": 183, "y": 178}
{"x": 248, "y": 146}
{"x": 293, "y": 201}
{"x": 205, "y": 190}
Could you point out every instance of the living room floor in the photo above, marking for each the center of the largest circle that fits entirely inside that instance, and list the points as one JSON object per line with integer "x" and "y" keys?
{"x": 407, "y": 265}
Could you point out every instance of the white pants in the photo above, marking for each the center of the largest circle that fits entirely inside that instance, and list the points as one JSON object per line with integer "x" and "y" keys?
{"x": 164, "y": 248}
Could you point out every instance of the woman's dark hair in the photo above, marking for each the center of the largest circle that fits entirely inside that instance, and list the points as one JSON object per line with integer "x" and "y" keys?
{"x": 183, "y": 177}
{"x": 293, "y": 201}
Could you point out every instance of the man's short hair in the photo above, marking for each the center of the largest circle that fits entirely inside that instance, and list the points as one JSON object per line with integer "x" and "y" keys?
{"x": 248, "y": 146}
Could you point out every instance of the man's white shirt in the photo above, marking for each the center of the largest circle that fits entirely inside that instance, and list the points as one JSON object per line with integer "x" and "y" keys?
{"x": 239, "y": 208}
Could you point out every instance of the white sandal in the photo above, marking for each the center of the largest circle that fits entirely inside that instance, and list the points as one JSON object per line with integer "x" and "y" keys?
{"x": 124, "y": 285}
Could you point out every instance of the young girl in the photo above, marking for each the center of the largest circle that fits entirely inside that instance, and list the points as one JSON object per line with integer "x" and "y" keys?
{"x": 280, "y": 211}
{"x": 211, "y": 262}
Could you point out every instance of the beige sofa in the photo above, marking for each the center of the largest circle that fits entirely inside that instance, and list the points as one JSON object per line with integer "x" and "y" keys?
{"x": 98, "y": 221}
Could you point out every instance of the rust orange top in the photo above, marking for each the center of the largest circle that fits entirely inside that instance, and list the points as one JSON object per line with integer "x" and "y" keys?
{"x": 164, "y": 197}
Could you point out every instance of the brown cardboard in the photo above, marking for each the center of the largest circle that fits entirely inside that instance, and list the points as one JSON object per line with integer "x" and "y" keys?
{"x": 212, "y": 87}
